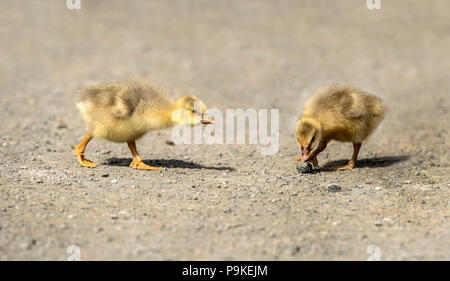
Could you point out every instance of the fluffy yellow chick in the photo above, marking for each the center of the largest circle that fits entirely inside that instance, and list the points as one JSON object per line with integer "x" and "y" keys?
{"x": 336, "y": 112}
{"x": 125, "y": 111}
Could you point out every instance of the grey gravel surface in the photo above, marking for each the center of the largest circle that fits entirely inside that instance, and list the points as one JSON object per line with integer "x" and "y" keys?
{"x": 224, "y": 202}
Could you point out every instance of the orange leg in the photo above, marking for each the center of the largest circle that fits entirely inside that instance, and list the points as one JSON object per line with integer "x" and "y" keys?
{"x": 313, "y": 156}
{"x": 137, "y": 162}
{"x": 315, "y": 162}
{"x": 79, "y": 152}
{"x": 322, "y": 145}
{"x": 352, "y": 161}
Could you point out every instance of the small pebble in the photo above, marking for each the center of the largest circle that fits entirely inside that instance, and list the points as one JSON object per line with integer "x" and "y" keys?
{"x": 113, "y": 181}
{"x": 304, "y": 169}
{"x": 114, "y": 216}
{"x": 334, "y": 188}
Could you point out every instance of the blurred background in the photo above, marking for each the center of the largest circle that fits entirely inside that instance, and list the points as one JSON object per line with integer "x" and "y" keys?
{"x": 232, "y": 54}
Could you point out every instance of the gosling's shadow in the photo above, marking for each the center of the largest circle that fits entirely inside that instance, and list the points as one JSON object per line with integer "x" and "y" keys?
{"x": 366, "y": 162}
{"x": 165, "y": 163}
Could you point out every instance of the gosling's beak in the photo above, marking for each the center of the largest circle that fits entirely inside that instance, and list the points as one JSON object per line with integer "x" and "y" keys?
{"x": 305, "y": 153}
{"x": 206, "y": 119}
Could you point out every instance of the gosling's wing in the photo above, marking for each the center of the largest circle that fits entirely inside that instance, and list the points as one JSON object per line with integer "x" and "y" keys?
{"x": 125, "y": 103}
{"x": 99, "y": 96}
{"x": 352, "y": 105}
{"x": 137, "y": 94}
{"x": 350, "y": 102}
{"x": 118, "y": 100}
{"x": 335, "y": 100}
{"x": 364, "y": 105}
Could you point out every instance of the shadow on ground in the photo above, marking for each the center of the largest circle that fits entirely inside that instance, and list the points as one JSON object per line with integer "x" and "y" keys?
{"x": 367, "y": 162}
{"x": 166, "y": 163}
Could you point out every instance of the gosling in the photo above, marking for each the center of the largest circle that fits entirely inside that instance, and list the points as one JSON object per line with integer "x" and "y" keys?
{"x": 125, "y": 111}
{"x": 336, "y": 112}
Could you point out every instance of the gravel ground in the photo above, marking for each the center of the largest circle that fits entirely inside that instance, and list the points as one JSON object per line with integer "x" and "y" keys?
{"x": 224, "y": 202}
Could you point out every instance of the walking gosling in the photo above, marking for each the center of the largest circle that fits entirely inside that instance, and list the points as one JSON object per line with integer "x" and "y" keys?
{"x": 125, "y": 111}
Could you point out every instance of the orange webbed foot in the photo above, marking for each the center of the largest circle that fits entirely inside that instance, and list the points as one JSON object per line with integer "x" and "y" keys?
{"x": 349, "y": 166}
{"x": 85, "y": 162}
{"x": 81, "y": 159}
{"x": 140, "y": 165}
{"x": 298, "y": 159}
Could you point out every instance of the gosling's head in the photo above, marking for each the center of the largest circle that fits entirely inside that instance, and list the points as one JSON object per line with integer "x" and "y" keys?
{"x": 190, "y": 110}
{"x": 308, "y": 132}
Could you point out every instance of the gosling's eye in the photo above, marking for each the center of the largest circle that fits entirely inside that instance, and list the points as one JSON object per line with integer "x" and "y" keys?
{"x": 194, "y": 111}
{"x": 312, "y": 140}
